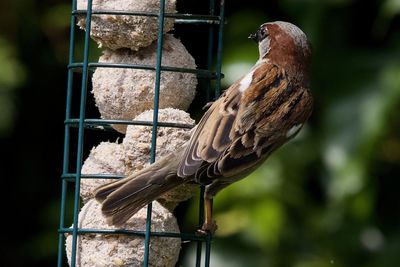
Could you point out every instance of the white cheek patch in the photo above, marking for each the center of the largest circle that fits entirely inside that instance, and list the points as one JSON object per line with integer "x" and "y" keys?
{"x": 246, "y": 81}
{"x": 264, "y": 46}
{"x": 292, "y": 131}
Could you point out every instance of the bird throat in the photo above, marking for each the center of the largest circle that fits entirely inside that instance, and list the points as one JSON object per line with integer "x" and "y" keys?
{"x": 264, "y": 47}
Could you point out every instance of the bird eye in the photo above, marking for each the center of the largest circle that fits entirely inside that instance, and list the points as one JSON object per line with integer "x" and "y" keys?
{"x": 259, "y": 35}
{"x": 262, "y": 34}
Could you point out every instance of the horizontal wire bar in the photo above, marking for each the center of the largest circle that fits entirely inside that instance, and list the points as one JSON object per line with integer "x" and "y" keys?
{"x": 200, "y": 73}
{"x": 208, "y": 19}
{"x": 183, "y": 236}
{"x": 70, "y": 176}
{"x": 102, "y": 122}
{"x": 196, "y": 22}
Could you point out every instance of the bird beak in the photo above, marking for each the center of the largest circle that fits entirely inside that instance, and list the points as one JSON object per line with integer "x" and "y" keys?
{"x": 254, "y": 37}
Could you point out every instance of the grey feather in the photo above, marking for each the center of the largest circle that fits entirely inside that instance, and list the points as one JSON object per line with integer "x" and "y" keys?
{"x": 122, "y": 199}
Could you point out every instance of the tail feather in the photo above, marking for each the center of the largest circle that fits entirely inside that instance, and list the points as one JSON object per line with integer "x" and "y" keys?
{"x": 122, "y": 199}
{"x": 102, "y": 192}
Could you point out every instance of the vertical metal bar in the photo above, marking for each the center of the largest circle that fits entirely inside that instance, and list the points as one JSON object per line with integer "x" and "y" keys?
{"x": 208, "y": 98}
{"x": 66, "y": 135}
{"x": 155, "y": 122}
{"x": 210, "y": 47}
{"x": 217, "y": 93}
{"x": 62, "y": 218}
{"x": 201, "y": 219}
{"x": 85, "y": 75}
{"x": 208, "y": 251}
{"x": 219, "y": 49}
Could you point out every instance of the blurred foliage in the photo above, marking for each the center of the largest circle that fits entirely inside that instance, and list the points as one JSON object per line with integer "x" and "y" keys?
{"x": 318, "y": 200}
{"x": 12, "y": 74}
{"x": 328, "y": 198}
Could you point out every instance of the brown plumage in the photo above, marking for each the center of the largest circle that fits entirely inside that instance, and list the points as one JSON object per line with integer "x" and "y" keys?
{"x": 250, "y": 120}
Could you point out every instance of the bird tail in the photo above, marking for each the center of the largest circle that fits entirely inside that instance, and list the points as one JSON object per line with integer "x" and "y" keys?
{"x": 122, "y": 199}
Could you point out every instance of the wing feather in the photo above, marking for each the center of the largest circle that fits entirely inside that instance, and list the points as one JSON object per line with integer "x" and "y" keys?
{"x": 238, "y": 132}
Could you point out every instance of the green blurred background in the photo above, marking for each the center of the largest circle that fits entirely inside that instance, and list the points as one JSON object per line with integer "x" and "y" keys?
{"x": 328, "y": 198}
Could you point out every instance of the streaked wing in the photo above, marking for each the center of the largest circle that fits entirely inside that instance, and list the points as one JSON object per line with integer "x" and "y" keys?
{"x": 212, "y": 134}
{"x": 236, "y": 132}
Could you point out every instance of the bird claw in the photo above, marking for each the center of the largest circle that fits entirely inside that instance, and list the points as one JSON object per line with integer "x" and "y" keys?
{"x": 207, "y": 228}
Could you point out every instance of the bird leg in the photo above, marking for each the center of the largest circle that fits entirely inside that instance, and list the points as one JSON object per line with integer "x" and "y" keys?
{"x": 209, "y": 225}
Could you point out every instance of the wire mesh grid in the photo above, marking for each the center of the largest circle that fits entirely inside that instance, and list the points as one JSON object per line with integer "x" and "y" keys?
{"x": 214, "y": 22}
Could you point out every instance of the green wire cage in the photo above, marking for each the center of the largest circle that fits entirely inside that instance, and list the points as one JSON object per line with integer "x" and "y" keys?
{"x": 71, "y": 179}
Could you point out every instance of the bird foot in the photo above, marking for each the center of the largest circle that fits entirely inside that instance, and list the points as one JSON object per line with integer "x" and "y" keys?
{"x": 207, "y": 228}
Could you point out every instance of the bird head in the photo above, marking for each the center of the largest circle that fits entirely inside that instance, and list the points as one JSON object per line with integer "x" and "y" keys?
{"x": 284, "y": 44}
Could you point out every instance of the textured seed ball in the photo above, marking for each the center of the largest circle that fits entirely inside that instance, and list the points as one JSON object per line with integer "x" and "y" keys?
{"x": 137, "y": 145}
{"x": 124, "y": 250}
{"x": 106, "y": 158}
{"x": 122, "y": 31}
{"x": 125, "y": 93}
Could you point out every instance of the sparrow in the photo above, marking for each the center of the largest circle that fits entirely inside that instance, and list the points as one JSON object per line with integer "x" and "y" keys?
{"x": 256, "y": 115}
